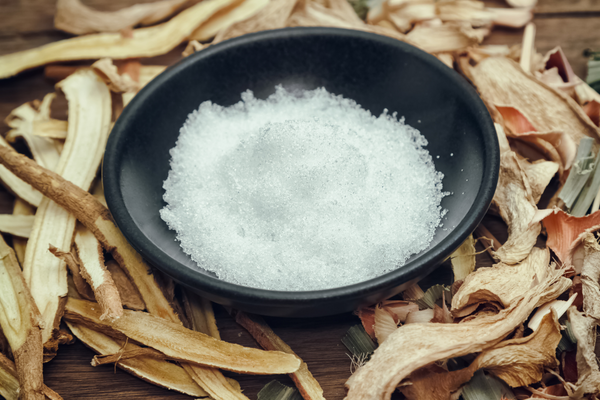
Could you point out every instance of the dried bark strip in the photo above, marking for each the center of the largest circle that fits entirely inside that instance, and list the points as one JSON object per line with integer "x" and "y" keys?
{"x": 584, "y": 329}
{"x": 21, "y": 324}
{"x": 9, "y": 382}
{"x": 153, "y": 370}
{"x": 180, "y": 343}
{"x": 130, "y": 297}
{"x": 144, "y": 42}
{"x": 126, "y": 355}
{"x": 307, "y": 385}
{"x": 89, "y": 123}
{"x": 73, "y": 263}
{"x": 96, "y": 274}
{"x": 202, "y": 319}
{"x": 74, "y": 17}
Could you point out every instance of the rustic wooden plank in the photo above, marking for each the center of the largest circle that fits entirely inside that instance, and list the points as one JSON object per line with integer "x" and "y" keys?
{"x": 568, "y": 6}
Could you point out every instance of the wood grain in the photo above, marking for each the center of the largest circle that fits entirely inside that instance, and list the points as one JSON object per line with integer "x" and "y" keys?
{"x": 573, "y": 24}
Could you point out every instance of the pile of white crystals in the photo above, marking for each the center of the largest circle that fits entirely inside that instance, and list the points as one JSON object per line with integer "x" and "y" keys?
{"x": 301, "y": 191}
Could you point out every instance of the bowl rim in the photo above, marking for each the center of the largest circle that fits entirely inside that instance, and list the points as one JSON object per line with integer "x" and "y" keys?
{"x": 417, "y": 268}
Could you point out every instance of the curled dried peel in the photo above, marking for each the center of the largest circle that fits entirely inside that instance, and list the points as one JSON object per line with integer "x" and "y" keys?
{"x": 18, "y": 225}
{"x": 501, "y": 81}
{"x": 74, "y": 17}
{"x": 307, "y": 385}
{"x": 180, "y": 343}
{"x": 539, "y": 174}
{"x": 590, "y": 276}
{"x": 584, "y": 329}
{"x": 463, "y": 259}
{"x": 21, "y": 322}
{"x": 505, "y": 284}
{"x": 116, "y": 82}
{"x": 144, "y": 42}
{"x": 564, "y": 232}
{"x": 158, "y": 372}
{"x": 89, "y": 123}
{"x": 422, "y": 344}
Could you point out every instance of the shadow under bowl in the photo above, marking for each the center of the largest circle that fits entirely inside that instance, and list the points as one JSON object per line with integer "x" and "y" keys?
{"x": 377, "y": 72}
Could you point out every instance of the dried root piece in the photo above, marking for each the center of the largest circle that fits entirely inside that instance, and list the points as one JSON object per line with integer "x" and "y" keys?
{"x": 143, "y": 42}
{"x": 25, "y": 122}
{"x": 83, "y": 289}
{"x": 9, "y": 382}
{"x": 126, "y": 355}
{"x": 153, "y": 370}
{"x": 21, "y": 324}
{"x": 202, "y": 319}
{"x": 89, "y": 122}
{"x": 237, "y": 12}
{"x": 522, "y": 3}
{"x": 502, "y": 82}
{"x": 95, "y": 273}
{"x": 179, "y": 343}
{"x": 130, "y": 297}
{"x": 512, "y": 18}
{"x": 74, "y": 17}
{"x": 305, "y": 382}
{"x": 18, "y": 225}
{"x": 192, "y": 47}
{"x": 422, "y": 344}
{"x": 20, "y": 207}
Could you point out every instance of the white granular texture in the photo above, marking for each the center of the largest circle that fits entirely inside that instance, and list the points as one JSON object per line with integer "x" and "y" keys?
{"x": 301, "y": 191}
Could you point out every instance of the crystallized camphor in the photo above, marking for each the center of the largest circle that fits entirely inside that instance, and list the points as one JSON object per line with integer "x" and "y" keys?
{"x": 301, "y": 191}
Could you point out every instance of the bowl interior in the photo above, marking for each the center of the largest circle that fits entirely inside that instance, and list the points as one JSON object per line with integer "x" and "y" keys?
{"x": 377, "y": 72}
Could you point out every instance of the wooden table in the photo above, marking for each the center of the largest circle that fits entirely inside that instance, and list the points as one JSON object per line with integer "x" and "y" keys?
{"x": 572, "y": 24}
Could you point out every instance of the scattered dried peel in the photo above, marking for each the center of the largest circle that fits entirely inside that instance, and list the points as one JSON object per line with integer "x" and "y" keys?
{"x": 307, "y": 385}
{"x": 158, "y": 372}
{"x": 539, "y": 174}
{"x": 584, "y": 329}
{"x": 506, "y": 284}
{"x": 18, "y": 225}
{"x": 143, "y": 42}
{"x": 501, "y": 81}
{"x": 412, "y": 12}
{"x": 384, "y": 324}
{"x": 179, "y": 343}
{"x": 422, "y": 344}
{"x": 564, "y": 232}
{"x": 559, "y": 306}
{"x": 590, "y": 276}
{"x": 512, "y": 18}
{"x": 463, "y": 259}
{"x": 89, "y": 124}
{"x": 21, "y": 324}
{"x": 516, "y": 205}
{"x": 74, "y": 17}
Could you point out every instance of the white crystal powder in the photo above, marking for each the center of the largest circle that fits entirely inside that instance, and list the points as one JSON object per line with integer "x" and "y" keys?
{"x": 301, "y": 191}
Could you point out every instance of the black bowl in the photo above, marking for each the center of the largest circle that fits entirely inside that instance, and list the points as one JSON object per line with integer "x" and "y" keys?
{"x": 377, "y": 72}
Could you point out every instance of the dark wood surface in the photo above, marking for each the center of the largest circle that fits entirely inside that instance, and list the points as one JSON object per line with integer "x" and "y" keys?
{"x": 573, "y": 24}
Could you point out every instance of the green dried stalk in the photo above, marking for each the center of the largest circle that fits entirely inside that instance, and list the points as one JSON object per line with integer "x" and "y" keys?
{"x": 580, "y": 172}
{"x": 277, "y": 391}
{"x": 358, "y": 342}
{"x": 486, "y": 387}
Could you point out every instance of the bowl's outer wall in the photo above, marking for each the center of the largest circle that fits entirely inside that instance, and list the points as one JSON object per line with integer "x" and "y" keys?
{"x": 377, "y": 72}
